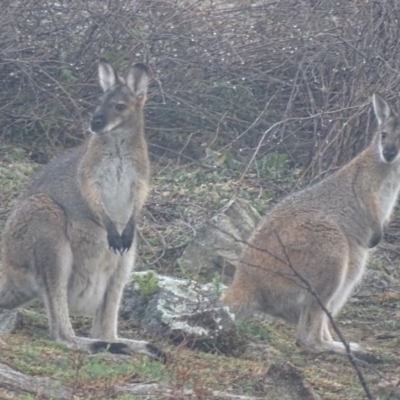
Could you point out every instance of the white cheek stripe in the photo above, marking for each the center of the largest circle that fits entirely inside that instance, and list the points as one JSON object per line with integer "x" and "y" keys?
{"x": 110, "y": 127}
{"x": 380, "y": 150}
{"x": 107, "y": 128}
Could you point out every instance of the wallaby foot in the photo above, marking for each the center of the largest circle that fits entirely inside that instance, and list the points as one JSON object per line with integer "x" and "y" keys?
{"x": 356, "y": 350}
{"x": 320, "y": 346}
{"x": 367, "y": 356}
{"x": 359, "y": 353}
{"x": 129, "y": 347}
{"x": 121, "y": 346}
{"x": 313, "y": 333}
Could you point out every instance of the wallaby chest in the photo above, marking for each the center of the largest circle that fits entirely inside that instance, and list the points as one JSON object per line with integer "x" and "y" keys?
{"x": 117, "y": 178}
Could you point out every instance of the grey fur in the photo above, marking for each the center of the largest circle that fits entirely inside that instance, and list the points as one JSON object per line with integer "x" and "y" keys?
{"x": 325, "y": 234}
{"x": 70, "y": 241}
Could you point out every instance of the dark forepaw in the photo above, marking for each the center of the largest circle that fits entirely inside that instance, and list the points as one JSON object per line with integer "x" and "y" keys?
{"x": 375, "y": 239}
{"x": 114, "y": 238}
{"x": 127, "y": 235}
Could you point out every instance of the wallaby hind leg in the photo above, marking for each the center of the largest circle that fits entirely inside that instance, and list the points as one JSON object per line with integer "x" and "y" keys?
{"x": 16, "y": 288}
{"x": 313, "y": 326}
{"x": 326, "y": 335}
{"x": 13, "y": 296}
{"x": 56, "y": 261}
{"x": 57, "y": 264}
{"x": 353, "y": 275}
{"x": 106, "y": 318}
{"x": 313, "y": 329}
{"x": 50, "y": 265}
{"x": 313, "y": 334}
{"x": 36, "y": 255}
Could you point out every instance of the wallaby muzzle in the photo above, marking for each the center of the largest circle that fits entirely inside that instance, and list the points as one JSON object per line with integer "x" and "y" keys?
{"x": 98, "y": 122}
{"x": 389, "y": 153}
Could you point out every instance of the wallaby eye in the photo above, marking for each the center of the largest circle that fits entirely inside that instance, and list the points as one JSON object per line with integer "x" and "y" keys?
{"x": 383, "y": 135}
{"x": 120, "y": 107}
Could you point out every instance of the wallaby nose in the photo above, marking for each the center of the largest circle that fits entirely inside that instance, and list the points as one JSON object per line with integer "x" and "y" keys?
{"x": 389, "y": 154}
{"x": 97, "y": 123}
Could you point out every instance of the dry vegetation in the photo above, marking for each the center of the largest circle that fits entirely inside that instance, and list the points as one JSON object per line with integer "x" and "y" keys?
{"x": 288, "y": 74}
{"x": 248, "y": 98}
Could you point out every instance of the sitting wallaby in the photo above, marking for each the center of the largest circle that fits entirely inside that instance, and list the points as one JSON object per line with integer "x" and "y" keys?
{"x": 319, "y": 239}
{"x": 70, "y": 240}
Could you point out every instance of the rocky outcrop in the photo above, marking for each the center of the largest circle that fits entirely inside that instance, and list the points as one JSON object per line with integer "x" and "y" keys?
{"x": 217, "y": 245}
{"x": 181, "y": 310}
{"x": 9, "y": 321}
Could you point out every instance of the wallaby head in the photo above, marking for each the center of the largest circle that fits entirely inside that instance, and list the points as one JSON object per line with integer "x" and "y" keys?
{"x": 122, "y": 101}
{"x": 388, "y": 135}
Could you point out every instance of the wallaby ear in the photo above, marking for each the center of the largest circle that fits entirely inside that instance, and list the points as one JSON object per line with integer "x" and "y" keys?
{"x": 138, "y": 78}
{"x": 107, "y": 75}
{"x": 382, "y": 108}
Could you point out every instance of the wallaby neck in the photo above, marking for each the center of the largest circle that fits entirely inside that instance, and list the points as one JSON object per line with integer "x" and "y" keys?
{"x": 381, "y": 180}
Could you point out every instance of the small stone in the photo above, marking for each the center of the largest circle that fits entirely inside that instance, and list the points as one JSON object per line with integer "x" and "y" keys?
{"x": 10, "y": 320}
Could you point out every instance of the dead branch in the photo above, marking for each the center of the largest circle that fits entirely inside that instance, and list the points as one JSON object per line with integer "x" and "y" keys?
{"x": 20, "y": 383}
{"x": 17, "y": 382}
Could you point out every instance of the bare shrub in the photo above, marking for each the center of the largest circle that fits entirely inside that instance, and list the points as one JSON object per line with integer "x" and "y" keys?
{"x": 223, "y": 72}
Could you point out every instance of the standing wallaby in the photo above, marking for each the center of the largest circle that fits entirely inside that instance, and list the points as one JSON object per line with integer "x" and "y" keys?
{"x": 319, "y": 238}
{"x": 70, "y": 240}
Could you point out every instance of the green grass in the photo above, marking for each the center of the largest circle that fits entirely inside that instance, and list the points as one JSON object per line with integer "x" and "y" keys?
{"x": 15, "y": 170}
{"x": 255, "y": 329}
{"x": 143, "y": 368}
{"x": 31, "y": 352}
